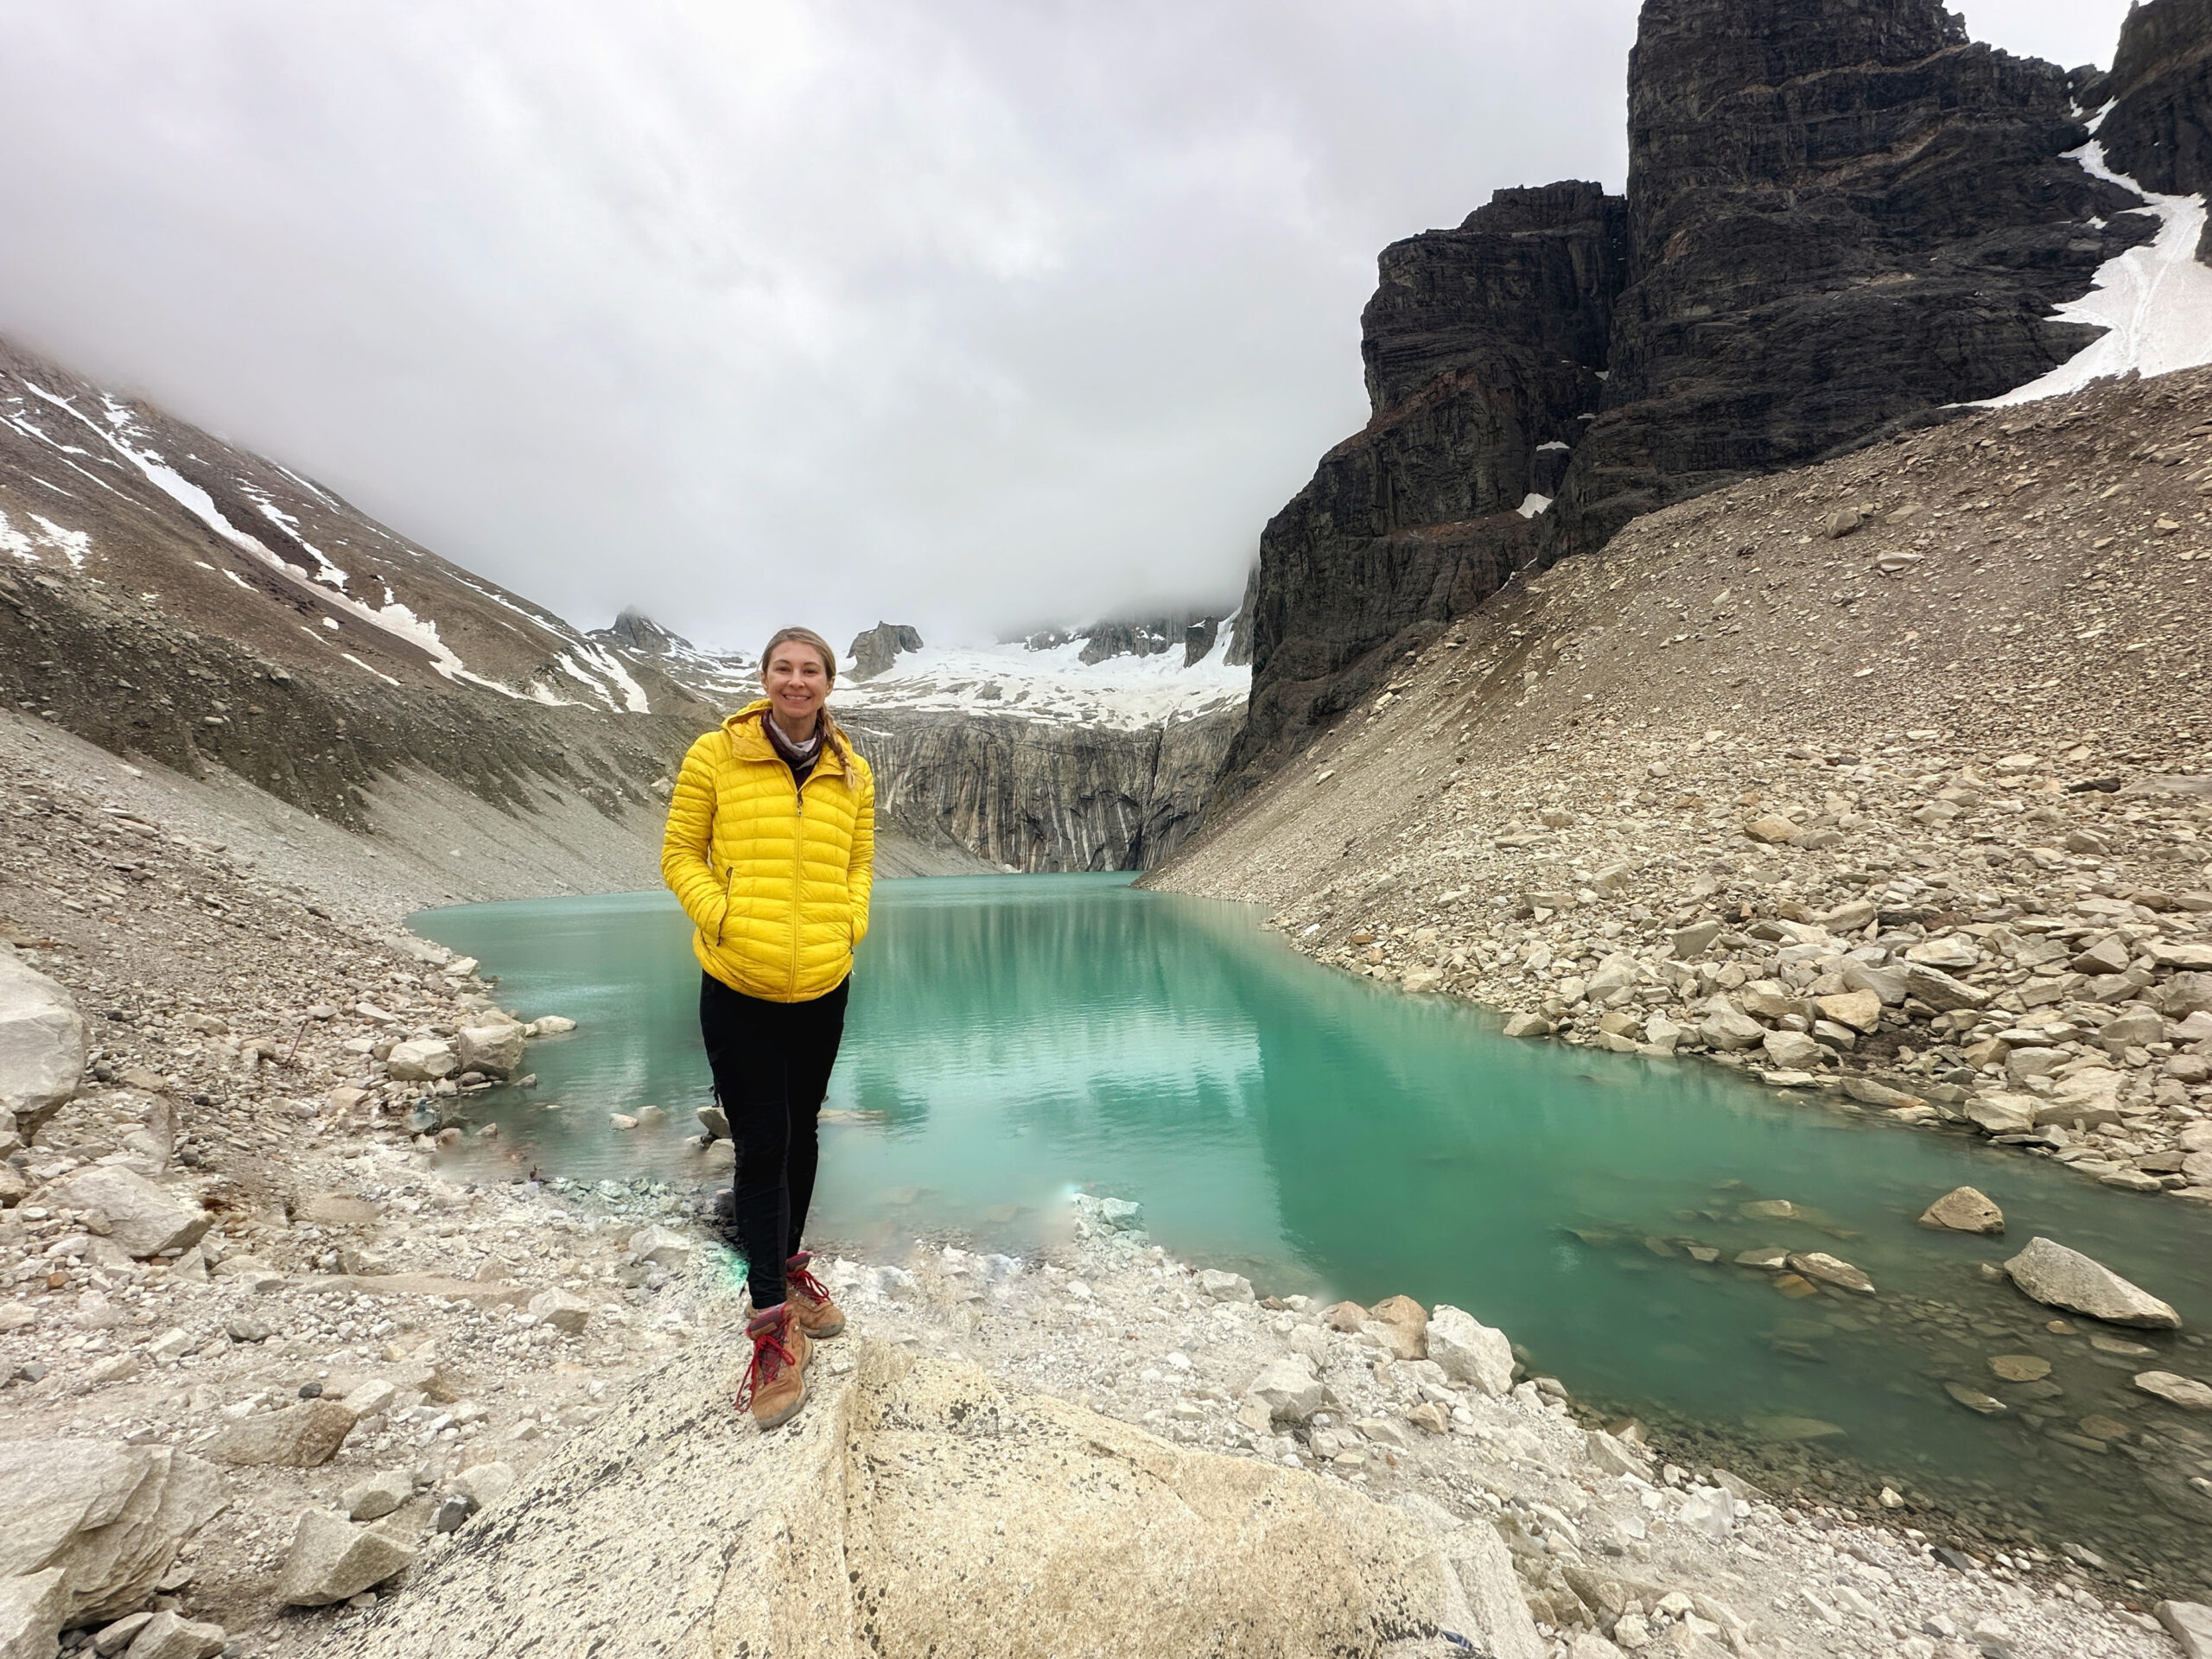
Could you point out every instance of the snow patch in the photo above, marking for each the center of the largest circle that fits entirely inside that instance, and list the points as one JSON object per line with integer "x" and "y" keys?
{"x": 2155, "y": 300}
{"x": 1532, "y": 504}
{"x": 72, "y": 544}
{"x": 328, "y": 573}
{"x": 358, "y": 663}
{"x": 1555, "y": 444}
{"x": 1055, "y": 685}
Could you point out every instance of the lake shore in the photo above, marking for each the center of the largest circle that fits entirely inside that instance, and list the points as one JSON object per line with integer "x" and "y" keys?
{"x": 466, "y": 1334}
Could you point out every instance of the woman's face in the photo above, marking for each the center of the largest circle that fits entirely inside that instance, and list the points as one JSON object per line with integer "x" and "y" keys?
{"x": 797, "y": 680}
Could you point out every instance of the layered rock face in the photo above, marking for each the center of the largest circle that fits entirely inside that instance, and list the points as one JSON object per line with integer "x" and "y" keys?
{"x": 1842, "y": 216}
{"x": 1483, "y": 348}
{"x": 1042, "y": 795}
{"x": 2159, "y": 129}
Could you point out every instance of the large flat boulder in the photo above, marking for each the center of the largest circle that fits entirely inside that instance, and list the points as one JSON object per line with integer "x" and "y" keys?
{"x": 146, "y": 1219}
{"x": 915, "y": 1507}
{"x": 2058, "y": 1277}
{"x": 109, "y": 1518}
{"x": 304, "y": 1436}
{"x": 41, "y": 1045}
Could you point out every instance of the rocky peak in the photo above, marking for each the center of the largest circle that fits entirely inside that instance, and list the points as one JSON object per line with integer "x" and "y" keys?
{"x": 1196, "y": 632}
{"x": 872, "y": 653}
{"x": 1543, "y": 264}
{"x": 634, "y": 631}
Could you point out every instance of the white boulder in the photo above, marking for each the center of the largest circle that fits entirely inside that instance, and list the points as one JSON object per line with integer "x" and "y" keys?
{"x": 109, "y": 1518}
{"x": 1288, "y": 1387}
{"x": 331, "y": 1559}
{"x": 423, "y": 1059}
{"x": 41, "y": 1045}
{"x": 1470, "y": 1351}
{"x": 494, "y": 1049}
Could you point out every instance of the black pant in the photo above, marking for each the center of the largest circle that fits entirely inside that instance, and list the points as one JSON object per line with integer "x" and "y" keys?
{"x": 771, "y": 1063}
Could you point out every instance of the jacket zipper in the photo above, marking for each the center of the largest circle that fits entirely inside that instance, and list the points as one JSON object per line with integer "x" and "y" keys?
{"x": 798, "y": 875}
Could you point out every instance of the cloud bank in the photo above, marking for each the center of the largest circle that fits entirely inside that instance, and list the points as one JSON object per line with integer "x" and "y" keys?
{"x": 972, "y": 314}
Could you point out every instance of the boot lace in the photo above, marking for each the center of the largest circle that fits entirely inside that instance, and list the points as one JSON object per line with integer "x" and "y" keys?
{"x": 798, "y": 1277}
{"x": 770, "y": 1357}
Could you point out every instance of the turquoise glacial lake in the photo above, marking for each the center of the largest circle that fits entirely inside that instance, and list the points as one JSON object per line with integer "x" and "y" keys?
{"x": 1012, "y": 1038}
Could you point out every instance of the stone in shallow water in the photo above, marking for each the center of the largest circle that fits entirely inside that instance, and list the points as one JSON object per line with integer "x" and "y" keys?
{"x": 1975, "y": 1400}
{"x": 1793, "y": 1428}
{"x": 1771, "y": 1259}
{"x": 2105, "y": 1429}
{"x": 2114, "y": 1345}
{"x": 2183, "y": 1391}
{"x": 2063, "y": 1278}
{"x": 1964, "y": 1210}
{"x": 2020, "y": 1368}
{"x": 1797, "y": 1287}
{"x": 1832, "y": 1270}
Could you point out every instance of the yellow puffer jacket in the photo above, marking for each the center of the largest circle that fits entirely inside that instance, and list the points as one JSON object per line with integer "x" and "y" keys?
{"x": 775, "y": 880}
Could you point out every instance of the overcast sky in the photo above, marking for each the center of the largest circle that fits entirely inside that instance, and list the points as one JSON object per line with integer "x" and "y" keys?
{"x": 964, "y": 314}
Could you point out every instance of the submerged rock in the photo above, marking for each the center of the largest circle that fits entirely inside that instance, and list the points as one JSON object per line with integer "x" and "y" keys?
{"x": 1832, "y": 1270}
{"x": 2183, "y": 1391}
{"x": 1975, "y": 1400}
{"x": 2059, "y": 1277}
{"x": 1964, "y": 1210}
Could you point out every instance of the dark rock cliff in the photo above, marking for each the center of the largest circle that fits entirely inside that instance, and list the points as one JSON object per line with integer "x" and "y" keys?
{"x": 2158, "y": 130}
{"x": 1483, "y": 347}
{"x": 1842, "y": 216}
{"x": 1042, "y": 796}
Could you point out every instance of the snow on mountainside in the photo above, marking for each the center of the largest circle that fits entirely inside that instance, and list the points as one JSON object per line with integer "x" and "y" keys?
{"x": 1125, "y": 692}
{"x": 2155, "y": 300}
{"x": 115, "y": 493}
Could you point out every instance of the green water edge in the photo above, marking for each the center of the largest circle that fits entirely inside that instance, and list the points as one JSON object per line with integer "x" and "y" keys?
{"x": 1012, "y": 1038}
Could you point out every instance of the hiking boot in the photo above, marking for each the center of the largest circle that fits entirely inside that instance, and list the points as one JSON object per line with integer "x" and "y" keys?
{"x": 775, "y": 1383}
{"x": 810, "y": 1302}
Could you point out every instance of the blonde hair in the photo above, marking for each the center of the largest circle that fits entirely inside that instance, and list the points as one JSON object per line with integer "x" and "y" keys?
{"x": 808, "y": 637}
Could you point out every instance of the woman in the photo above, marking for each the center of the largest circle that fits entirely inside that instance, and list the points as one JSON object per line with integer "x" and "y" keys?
{"x": 771, "y": 850}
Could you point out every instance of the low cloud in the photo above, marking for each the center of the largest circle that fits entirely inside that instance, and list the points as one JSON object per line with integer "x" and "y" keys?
{"x": 964, "y": 314}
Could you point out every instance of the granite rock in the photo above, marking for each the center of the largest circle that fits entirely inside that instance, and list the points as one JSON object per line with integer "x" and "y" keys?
{"x": 2059, "y": 1277}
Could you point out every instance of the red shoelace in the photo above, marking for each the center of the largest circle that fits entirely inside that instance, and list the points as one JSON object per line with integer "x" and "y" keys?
{"x": 769, "y": 1356}
{"x": 797, "y": 1278}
